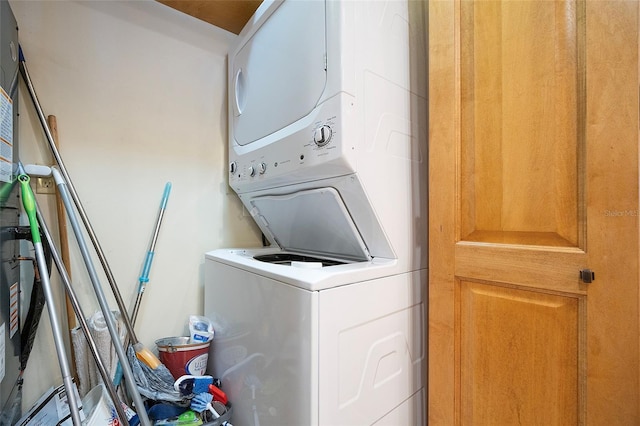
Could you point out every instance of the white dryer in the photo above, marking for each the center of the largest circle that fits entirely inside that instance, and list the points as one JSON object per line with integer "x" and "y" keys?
{"x": 327, "y": 151}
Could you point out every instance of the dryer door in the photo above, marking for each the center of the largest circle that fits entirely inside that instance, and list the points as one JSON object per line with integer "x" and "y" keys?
{"x": 279, "y": 74}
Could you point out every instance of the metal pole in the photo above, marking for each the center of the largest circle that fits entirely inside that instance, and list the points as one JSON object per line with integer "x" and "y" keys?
{"x": 114, "y": 288}
{"x": 28, "y": 200}
{"x": 144, "y": 276}
{"x": 57, "y": 260}
{"x": 76, "y": 199}
{"x": 102, "y": 301}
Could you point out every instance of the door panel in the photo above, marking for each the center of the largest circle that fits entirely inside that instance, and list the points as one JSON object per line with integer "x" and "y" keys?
{"x": 521, "y": 120}
{"x": 519, "y": 346}
{"x": 549, "y": 268}
{"x": 533, "y": 177}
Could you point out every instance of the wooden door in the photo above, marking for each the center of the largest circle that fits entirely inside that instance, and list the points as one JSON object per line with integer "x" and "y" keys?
{"x": 533, "y": 110}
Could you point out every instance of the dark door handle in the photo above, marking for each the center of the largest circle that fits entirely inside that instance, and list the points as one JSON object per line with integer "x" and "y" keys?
{"x": 587, "y": 276}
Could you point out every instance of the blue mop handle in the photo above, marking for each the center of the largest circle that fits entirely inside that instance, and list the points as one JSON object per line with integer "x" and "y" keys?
{"x": 144, "y": 277}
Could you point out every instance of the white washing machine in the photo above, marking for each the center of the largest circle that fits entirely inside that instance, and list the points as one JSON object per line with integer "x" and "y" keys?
{"x": 352, "y": 353}
{"x": 328, "y": 153}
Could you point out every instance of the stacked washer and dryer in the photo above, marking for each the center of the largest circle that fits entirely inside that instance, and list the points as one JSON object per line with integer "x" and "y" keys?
{"x": 328, "y": 153}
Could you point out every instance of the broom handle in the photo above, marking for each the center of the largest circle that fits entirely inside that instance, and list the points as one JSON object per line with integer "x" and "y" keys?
{"x": 64, "y": 246}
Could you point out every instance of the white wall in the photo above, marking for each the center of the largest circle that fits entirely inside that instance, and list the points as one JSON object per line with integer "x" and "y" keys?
{"x": 139, "y": 92}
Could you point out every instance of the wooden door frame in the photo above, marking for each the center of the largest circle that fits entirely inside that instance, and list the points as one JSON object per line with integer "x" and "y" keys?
{"x": 443, "y": 92}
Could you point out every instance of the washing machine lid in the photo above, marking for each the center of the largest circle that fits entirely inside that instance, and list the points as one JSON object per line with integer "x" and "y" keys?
{"x": 314, "y": 221}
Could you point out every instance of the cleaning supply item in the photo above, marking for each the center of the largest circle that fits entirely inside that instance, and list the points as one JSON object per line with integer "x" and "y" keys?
{"x": 188, "y": 418}
{"x": 66, "y": 280}
{"x": 218, "y": 394}
{"x": 109, "y": 321}
{"x": 144, "y": 276}
{"x": 164, "y": 410}
{"x": 188, "y": 384}
{"x": 102, "y": 301}
{"x": 200, "y": 328}
{"x": 202, "y": 402}
{"x": 64, "y": 244}
{"x": 99, "y": 410}
{"x": 144, "y": 279}
{"x": 156, "y": 385}
{"x": 29, "y": 203}
{"x": 182, "y": 357}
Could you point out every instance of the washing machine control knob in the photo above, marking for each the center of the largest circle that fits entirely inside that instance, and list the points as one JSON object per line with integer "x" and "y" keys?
{"x": 252, "y": 171}
{"x": 322, "y": 135}
{"x": 262, "y": 167}
{"x": 233, "y": 167}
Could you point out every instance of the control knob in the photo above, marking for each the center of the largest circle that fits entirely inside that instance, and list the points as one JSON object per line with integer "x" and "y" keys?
{"x": 252, "y": 171}
{"x": 262, "y": 167}
{"x": 233, "y": 167}
{"x": 322, "y": 135}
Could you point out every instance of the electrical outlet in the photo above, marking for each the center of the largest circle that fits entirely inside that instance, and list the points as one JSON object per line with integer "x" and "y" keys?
{"x": 45, "y": 185}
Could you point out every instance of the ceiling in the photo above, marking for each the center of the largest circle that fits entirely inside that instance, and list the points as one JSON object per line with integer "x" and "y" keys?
{"x": 230, "y": 15}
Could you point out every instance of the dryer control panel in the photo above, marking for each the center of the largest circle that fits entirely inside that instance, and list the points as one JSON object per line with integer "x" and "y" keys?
{"x": 315, "y": 150}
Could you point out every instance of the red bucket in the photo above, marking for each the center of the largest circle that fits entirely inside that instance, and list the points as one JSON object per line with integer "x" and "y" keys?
{"x": 182, "y": 357}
